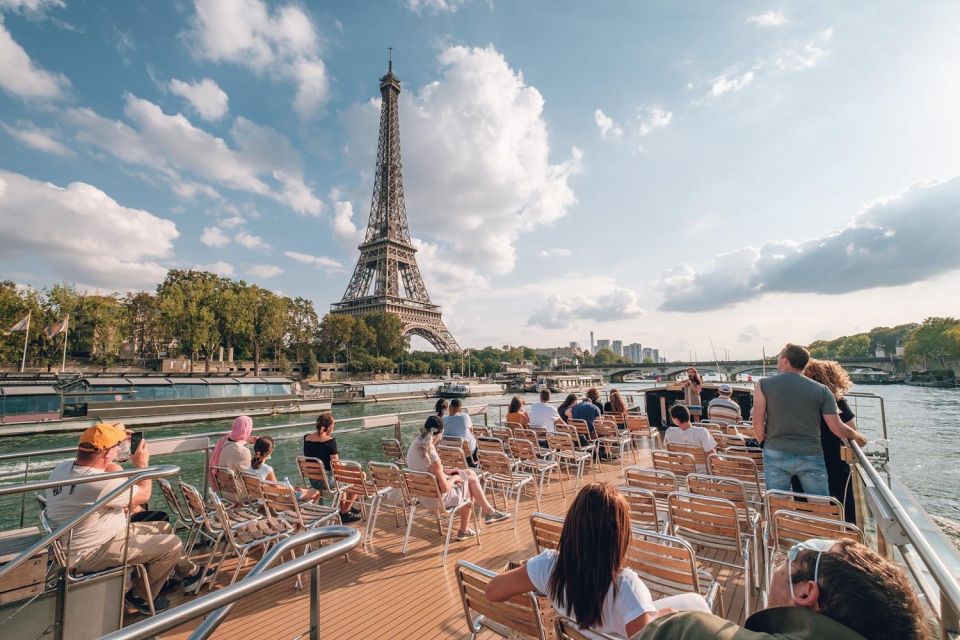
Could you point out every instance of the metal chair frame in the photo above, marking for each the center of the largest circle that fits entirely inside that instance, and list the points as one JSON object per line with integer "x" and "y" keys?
{"x": 520, "y": 615}
{"x": 502, "y": 476}
{"x": 530, "y": 459}
{"x": 423, "y": 485}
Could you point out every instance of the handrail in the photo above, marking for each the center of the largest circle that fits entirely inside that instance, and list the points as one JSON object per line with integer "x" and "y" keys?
{"x": 260, "y": 576}
{"x": 133, "y": 477}
{"x": 948, "y": 585}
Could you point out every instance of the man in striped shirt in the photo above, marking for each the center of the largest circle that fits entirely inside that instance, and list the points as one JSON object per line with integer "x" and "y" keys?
{"x": 723, "y": 407}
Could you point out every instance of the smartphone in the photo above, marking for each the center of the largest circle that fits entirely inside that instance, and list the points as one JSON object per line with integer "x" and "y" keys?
{"x": 135, "y": 441}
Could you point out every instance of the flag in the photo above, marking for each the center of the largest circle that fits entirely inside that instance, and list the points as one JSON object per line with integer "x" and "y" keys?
{"x": 58, "y": 327}
{"x": 20, "y": 326}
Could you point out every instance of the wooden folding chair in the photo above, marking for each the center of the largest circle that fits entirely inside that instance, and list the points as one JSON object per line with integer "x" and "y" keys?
{"x": 754, "y": 453}
{"x": 314, "y": 474}
{"x": 424, "y": 490}
{"x": 679, "y": 464}
{"x": 393, "y": 450}
{"x": 546, "y": 530}
{"x": 743, "y": 469}
{"x": 350, "y": 479}
{"x": 660, "y": 483}
{"x": 529, "y": 455}
{"x": 566, "y": 453}
{"x": 611, "y": 439}
{"x": 566, "y": 629}
{"x": 520, "y": 615}
{"x": 638, "y": 426}
{"x": 388, "y": 481}
{"x": 503, "y": 478}
{"x": 643, "y": 508}
{"x": 504, "y": 433}
{"x": 695, "y": 450}
{"x": 736, "y": 492}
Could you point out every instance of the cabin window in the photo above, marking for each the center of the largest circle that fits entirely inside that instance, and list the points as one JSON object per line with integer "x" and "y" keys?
{"x": 216, "y": 391}
{"x": 18, "y": 405}
{"x": 246, "y": 390}
{"x": 279, "y": 389}
{"x": 231, "y": 390}
{"x": 261, "y": 389}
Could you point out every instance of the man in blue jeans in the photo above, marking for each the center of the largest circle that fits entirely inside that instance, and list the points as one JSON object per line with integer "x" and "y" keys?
{"x": 786, "y": 417}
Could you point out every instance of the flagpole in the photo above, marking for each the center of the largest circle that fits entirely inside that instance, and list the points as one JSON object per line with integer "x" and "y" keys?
{"x": 66, "y": 331}
{"x": 26, "y": 338}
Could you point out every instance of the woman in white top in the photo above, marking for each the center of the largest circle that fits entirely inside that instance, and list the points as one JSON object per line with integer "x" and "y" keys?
{"x": 262, "y": 450}
{"x": 456, "y": 485}
{"x": 585, "y": 578}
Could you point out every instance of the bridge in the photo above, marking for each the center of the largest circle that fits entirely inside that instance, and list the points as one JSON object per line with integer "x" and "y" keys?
{"x": 731, "y": 368}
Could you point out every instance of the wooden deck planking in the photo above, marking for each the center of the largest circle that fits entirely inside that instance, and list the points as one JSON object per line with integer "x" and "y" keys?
{"x": 382, "y": 593}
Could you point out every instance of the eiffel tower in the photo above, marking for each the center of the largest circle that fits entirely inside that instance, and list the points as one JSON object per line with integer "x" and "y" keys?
{"x": 386, "y": 278}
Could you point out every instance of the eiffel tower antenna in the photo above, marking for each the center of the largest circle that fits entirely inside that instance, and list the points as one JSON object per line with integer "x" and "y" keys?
{"x": 386, "y": 278}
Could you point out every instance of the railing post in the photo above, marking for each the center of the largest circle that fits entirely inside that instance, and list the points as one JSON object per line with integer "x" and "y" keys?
{"x": 315, "y": 602}
{"x": 23, "y": 496}
{"x": 397, "y": 431}
{"x": 949, "y": 618}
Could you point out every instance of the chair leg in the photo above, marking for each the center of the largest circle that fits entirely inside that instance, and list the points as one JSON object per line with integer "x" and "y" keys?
{"x": 747, "y": 588}
{"x": 240, "y": 558}
{"x": 563, "y": 490}
{"x": 446, "y": 544}
{"x": 536, "y": 495}
{"x": 516, "y": 509}
{"x": 406, "y": 537}
{"x": 372, "y": 521}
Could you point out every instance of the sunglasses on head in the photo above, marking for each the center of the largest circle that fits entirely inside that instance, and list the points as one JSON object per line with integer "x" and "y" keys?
{"x": 821, "y": 546}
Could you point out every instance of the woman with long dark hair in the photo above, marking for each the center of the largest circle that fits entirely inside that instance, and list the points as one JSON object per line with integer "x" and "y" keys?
{"x": 566, "y": 405}
{"x": 585, "y": 577}
{"x": 516, "y": 414}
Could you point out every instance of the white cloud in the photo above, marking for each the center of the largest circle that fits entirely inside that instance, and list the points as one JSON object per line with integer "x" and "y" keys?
{"x": 205, "y": 96}
{"x": 264, "y": 162}
{"x": 344, "y": 228}
{"x": 484, "y": 125}
{"x": 277, "y": 42}
{"x": 251, "y": 241}
{"x": 768, "y": 19}
{"x": 214, "y": 237}
{"x": 559, "y": 312}
{"x": 31, "y": 6}
{"x": 608, "y": 128}
{"x": 20, "y": 77}
{"x": 435, "y": 6}
{"x": 316, "y": 261}
{"x": 804, "y": 58}
{"x": 649, "y": 119}
{"x": 892, "y": 241}
{"x": 726, "y": 83}
{"x": 29, "y": 135}
{"x": 219, "y": 267}
{"x": 82, "y": 234}
{"x": 265, "y": 271}
{"x": 749, "y": 333}
{"x": 557, "y": 252}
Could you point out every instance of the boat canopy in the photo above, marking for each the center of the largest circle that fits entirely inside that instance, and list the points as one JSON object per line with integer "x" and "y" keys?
{"x": 95, "y": 389}
{"x": 28, "y": 400}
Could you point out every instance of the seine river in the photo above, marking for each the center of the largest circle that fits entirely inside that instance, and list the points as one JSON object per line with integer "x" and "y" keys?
{"x": 923, "y": 432}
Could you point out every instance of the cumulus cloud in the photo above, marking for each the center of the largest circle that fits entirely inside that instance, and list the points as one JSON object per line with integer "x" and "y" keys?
{"x": 30, "y": 135}
{"x": 205, "y": 96}
{"x": 649, "y": 119}
{"x": 279, "y": 42}
{"x": 557, "y": 252}
{"x": 730, "y": 82}
{"x": 214, "y": 237}
{"x": 82, "y": 233}
{"x": 892, "y": 241}
{"x": 265, "y": 271}
{"x": 263, "y": 162}
{"x": 20, "y": 77}
{"x": 435, "y": 6}
{"x": 344, "y": 228}
{"x": 768, "y": 19}
{"x": 559, "y": 312}
{"x": 483, "y": 124}
{"x": 608, "y": 128}
{"x": 251, "y": 241}
{"x": 221, "y": 268}
{"x": 316, "y": 261}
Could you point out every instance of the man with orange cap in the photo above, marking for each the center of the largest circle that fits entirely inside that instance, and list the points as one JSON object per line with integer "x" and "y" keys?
{"x": 98, "y": 541}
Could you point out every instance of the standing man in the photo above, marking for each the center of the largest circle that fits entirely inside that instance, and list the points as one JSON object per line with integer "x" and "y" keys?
{"x": 787, "y": 409}
{"x": 543, "y": 414}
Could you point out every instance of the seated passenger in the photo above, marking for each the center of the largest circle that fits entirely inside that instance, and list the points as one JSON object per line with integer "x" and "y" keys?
{"x": 588, "y": 412}
{"x": 542, "y": 414}
{"x": 594, "y": 396}
{"x": 231, "y": 451}
{"x": 262, "y": 450}
{"x": 566, "y": 405}
{"x": 98, "y": 541}
{"x": 723, "y": 407}
{"x": 515, "y": 413}
{"x": 825, "y": 589}
{"x": 323, "y": 446}
{"x": 458, "y": 424}
{"x": 585, "y": 578}
{"x": 686, "y": 433}
{"x": 617, "y": 407}
{"x": 455, "y": 484}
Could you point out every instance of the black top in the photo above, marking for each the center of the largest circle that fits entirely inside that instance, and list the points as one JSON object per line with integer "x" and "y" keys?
{"x": 320, "y": 450}
{"x": 608, "y": 407}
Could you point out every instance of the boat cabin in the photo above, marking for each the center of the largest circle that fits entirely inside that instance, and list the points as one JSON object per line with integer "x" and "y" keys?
{"x": 659, "y": 399}
{"x": 28, "y": 403}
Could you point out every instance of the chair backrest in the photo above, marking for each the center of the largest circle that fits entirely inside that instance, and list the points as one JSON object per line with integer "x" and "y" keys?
{"x": 504, "y": 433}
{"x": 452, "y": 457}
{"x": 638, "y": 423}
{"x": 47, "y": 528}
{"x": 725, "y": 441}
{"x": 458, "y": 442}
{"x": 713, "y": 427}
{"x": 581, "y": 426}
{"x": 666, "y": 564}
{"x": 527, "y": 434}
{"x": 350, "y": 473}
{"x": 313, "y": 469}
{"x": 742, "y": 468}
{"x": 228, "y": 485}
{"x": 659, "y": 482}
{"x": 220, "y": 513}
{"x": 172, "y": 501}
{"x": 560, "y": 442}
{"x": 392, "y": 450}
{"x": 570, "y": 430}
{"x": 728, "y": 488}
{"x": 195, "y": 505}
{"x": 820, "y": 506}
{"x": 490, "y": 444}
{"x": 754, "y": 453}
{"x": 745, "y": 430}
{"x": 387, "y": 475}
{"x": 705, "y": 521}
{"x": 252, "y": 485}
{"x": 520, "y": 613}
{"x": 421, "y": 484}
{"x": 480, "y": 430}
{"x": 679, "y": 464}
{"x": 787, "y": 528}
{"x": 546, "y": 530}
{"x": 643, "y": 507}
{"x": 695, "y": 450}
{"x": 523, "y": 449}
{"x": 605, "y": 427}
{"x": 281, "y": 498}
{"x": 497, "y": 463}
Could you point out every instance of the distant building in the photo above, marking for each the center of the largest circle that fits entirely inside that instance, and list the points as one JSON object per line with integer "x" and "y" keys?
{"x": 592, "y": 345}
{"x": 618, "y": 347}
{"x": 880, "y": 352}
{"x": 646, "y": 354}
{"x": 634, "y": 352}
{"x": 655, "y": 355}
{"x": 575, "y": 346}
{"x": 602, "y": 344}
{"x": 899, "y": 351}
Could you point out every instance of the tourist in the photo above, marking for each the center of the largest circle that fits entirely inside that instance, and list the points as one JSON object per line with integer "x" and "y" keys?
{"x": 594, "y": 396}
{"x": 564, "y": 408}
{"x": 787, "y": 410}
{"x": 685, "y": 433}
{"x": 723, "y": 408}
{"x": 831, "y": 374}
{"x": 585, "y": 578}
{"x": 262, "y": 450}
{"x": 516, "y": 414}
{"x": 440, "y": 408}
{"x": 456, "y": 485}
{"x": 98, "y": 542}
{"x": 323, "y": 446}
{"x": 617, "y": 408}
{"x": 588, "y": 412}
{"x": 692, "y": 387}
{"x": 544, "y": 415}
{"x": 826, "y": 589}
{"x": 458, "y": 424}
{"x": 231, "y": 451}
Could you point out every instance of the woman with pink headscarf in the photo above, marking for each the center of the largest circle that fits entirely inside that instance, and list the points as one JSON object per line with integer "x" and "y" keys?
{"x": 231, "y": 451}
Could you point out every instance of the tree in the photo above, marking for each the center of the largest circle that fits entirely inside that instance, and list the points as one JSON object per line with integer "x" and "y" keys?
{"x": 604, "y": 356}
{"x": 302, "y": 326}
{"x": 934, "y": 341}
{"x": 109, "y": 320}
{"x": 334, "y": 335}
{"x": 186, "y": 300}
{"x": 269, "y": 321}
{"x": 387, "y": 329}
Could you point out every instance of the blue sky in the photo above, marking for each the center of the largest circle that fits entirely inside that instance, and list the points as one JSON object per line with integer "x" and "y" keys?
{"x": 658, "y": 172}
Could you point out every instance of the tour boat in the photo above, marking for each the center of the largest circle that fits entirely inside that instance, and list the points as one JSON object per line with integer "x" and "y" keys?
{"x": 469, "y": 389}
{"x": 561, "y": 383}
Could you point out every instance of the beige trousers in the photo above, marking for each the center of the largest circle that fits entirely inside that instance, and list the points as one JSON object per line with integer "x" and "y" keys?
{"x": 152, "y": 544}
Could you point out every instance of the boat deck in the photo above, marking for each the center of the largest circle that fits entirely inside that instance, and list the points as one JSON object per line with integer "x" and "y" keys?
{"x": 381, "y": 593}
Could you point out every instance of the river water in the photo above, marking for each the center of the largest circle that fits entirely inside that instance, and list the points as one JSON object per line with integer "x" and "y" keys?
{"x": 923, "y": 432}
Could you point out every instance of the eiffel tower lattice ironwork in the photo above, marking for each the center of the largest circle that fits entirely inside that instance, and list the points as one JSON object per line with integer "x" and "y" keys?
{"x": 386, "y": 278}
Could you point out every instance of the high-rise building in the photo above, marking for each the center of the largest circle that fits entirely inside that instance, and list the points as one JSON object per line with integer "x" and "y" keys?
{"x": 603, "y": 344}
{"x": 634, "y": 352}
{"x": 592, "y": 345}
{"x": 575, "y": 346}
{"x": 618, "y": 347}
{"x": 646, "y": 354}
{"x": 655, "y": 355}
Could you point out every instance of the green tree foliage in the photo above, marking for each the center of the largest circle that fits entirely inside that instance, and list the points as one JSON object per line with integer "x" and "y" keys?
{"x": 388, "y": 339}
{"x": 861, "y": 345}
{"x": 605, "y": 356}
{"x": 935, "y": 342}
